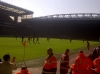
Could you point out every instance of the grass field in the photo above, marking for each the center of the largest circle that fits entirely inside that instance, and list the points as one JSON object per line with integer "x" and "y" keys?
{"x": 14, "y": 47}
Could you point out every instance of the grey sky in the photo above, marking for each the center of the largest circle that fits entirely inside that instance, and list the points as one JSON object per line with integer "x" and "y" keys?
{"x": 50, "y": 7}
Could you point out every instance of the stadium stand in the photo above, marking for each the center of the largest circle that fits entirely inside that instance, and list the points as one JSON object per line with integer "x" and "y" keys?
{"x": 57, "y": 27}
{"x": 9, "y": 20}
{"x": 76, "y": 26}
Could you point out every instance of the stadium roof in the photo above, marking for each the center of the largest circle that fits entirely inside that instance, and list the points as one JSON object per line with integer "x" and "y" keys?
{"x": 13, "y": 10}
{"x": 73, "y": 15}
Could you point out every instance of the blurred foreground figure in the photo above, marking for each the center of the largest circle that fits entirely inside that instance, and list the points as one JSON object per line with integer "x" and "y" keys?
{"x": 37, "y": 40}
{"x": 6, "y": 66}
{"x": 64, "y": 62}
{"x": 74, "y": 69}
{"x": 50, "y": 64}
{"x": 96, "y": 63}
{"x": 33, "y": 39}
{"x": 88, "y": 45}
{"x": 23, "y": 71}
{"x": 22, "y": 38}
{"x": 48, "y": 39}
{"x": 29, "y": 38}
{"x": 83, "y": 64}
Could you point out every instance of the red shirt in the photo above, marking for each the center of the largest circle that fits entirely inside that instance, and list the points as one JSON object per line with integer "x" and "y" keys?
{"x": 82, "y": 63}
{"x": 96, "y": 63}
{"x": 50, "y": 63}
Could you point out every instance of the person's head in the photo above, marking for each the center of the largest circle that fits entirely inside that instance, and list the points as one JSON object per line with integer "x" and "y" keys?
{"x": 23, "y": 68}
{"x": 49, "y": 51}
{"x": 98, "y": 47}
{"x": 6, "y": 57}
{"x": 67, "y": 51}
{"x": 81, "y": 53}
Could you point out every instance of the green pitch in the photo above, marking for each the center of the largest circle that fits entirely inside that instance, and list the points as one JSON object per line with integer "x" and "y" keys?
{"x": 14, "y": 47}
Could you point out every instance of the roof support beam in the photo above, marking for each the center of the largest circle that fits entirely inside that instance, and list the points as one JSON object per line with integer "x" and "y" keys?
{"x": 13, "y": 9}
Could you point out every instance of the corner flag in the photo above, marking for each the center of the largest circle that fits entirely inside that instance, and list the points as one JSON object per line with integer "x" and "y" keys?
{"x": 24, "y": 43}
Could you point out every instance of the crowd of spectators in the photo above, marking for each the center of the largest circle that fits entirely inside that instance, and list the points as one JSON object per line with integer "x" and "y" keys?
{"x": 83, "y": 64}
{"x": 12, "y": 30}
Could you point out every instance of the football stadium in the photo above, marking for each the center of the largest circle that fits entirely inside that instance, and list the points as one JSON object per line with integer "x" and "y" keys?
{"x": 28, "y": 38}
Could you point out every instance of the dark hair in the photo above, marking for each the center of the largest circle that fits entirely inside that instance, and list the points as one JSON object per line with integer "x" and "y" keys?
{"x": 81, "y": 51}
{"x": 23, "y": 68}
{"x": 6, "y": 57}
{"x": 98, "y": 46}
{"x": 67, "y": 50}
{"x": 50, "y": 49}
{"x": 0, "y": 60}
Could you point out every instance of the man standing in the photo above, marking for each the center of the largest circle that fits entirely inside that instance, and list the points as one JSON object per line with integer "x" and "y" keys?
{"x": 83, "y": 40}
{"x": 50, "y": 64}
{"x": 33, "y": 39}
{"x": 6, "y": 66}
{"x": 83, "y": 63}
{"x": 88, "y": 45}
{"x": 96, "y": 63}
{"x": 29, "y": 39}
{"x": 37, "y": 40}
{"x": 64, "y": 62}
{"x": 48, "y": 38}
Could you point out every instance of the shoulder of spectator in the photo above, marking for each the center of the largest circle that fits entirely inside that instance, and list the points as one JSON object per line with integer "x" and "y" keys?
{"x": 54, "y": 57}
{"x": 14, "y": 66}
